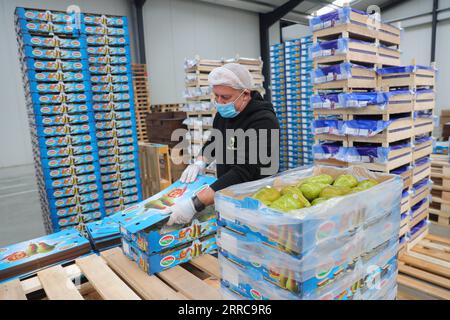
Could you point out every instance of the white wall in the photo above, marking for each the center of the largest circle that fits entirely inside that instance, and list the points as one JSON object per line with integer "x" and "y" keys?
{"x": 15, "y": 145}
{"x": 296, "y": 31}
{"x": 179, "y": 29}
{"x": 416, "y": 42}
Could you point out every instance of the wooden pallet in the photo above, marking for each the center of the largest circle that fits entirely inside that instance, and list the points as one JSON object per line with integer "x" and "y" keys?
{"x": 141, "y": 98}
{"x": 426, "y": 268}
{"x": 154, "y": 163}
{"x": 112, "y": 276}
{"x": 440, "y": 206}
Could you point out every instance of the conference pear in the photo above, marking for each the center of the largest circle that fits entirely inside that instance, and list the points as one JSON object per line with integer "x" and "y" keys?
{"x": 44, "y": 247}
{"x": 318, "y": 200}
{"x": 366, "y": 184}
{"x": 287, "y": 203}
{"x": 267, "y": 195}
{"x": 31, "y": 249}
{"x": 312, "y": 190}
{"x": 346, "y": 180}
{"x": 295, "y": 190}
{"x": 334, "y": 191}
{"x": 321, "y": 178}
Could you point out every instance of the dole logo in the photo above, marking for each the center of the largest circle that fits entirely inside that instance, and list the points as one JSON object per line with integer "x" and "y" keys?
{"x": 255, "y": 294}
{"x": 167, "y": 261}
{"x": 166, "y": 240}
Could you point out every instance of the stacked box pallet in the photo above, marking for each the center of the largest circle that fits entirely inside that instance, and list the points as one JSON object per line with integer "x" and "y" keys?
{"x": 278, "y": 92}
{"x": 364, "y": 117}
{"x": 141, "y": 99}
{"x": 298, "y": 91}
{"x": 341, "y": 249}
{"x": 199, "y": 109}
{"x": 254, "y": 66}
{"x": 109, "y": 60}
{"x": 440, "y": 204}
{"x": 59, "y": 102}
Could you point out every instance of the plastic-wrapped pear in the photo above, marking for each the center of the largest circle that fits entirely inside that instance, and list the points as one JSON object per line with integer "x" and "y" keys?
{"x": 346, "y": 180}
{"x": 321, "y": 178}
{"x": 267, "y": 195}
{"x": 334, "y": 191}
{"x": 312, "y": 190}
{"x": 295, "y": 190}
{"x": 288, "y": 202}
{"x": 366, "y": 184}
{"x": 318, "y": 200}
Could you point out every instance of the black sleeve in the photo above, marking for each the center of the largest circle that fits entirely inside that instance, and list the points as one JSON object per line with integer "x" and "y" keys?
{"x": 240, "y": 173}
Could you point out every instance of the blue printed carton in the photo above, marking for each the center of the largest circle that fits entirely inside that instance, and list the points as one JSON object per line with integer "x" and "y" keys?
{"x": 65, "y": 140}
{"x": 27, "y": 27}
{"x": 106, "y": 97}
{"x": 104, "y": 234}
{"x": 105, "y": 125}
{"x": 118, "y": 159}
{"x": 67, "y": 161}
{"x": 121, "y": 192}
{"x": 298, "y": 233}
{"x": 76, "y": 220}
{"x": 110, "y": 87}
{"x": 106, "y": 40}
{"x": 57, "y": 76}
{"x": 56, "y": 53}
{"x": 61, "y": 98}
{"x": 107, "y": 50}
{"x": 55, "y": 204}
{"x": 44, "y": 110}
{"x": 114, "y": 133}
{"x": 62, "y": 130}
{"x": 121, "y": 201}
{"x": 22, "y": 258}
{"x": 118, "y": 167}
{"x": 108, "y": 69}
{"x": 121, "y": 175}
{"x": 54, "y": 41}
{"x": 79, "y": 208}
{"x": 158, "y": 262}
{"x": 101, "y": 30}
{"x": 110, "y": 151}
{"x": 72, "y": 170}
{"x": 119, "y": 184}
{"x": 70, "y": 87}
{"x": 115, "y": 142}
{"x": 53, "y": 65}
{"x": 111, "y": 79}
{"x": 72, "y": 191}
{"x": 110, "y": 60}
{"x": 66, "y": 151}
{"x": 55, "y": 120}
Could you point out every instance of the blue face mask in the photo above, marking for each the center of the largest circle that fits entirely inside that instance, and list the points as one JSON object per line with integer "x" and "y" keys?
{"x": 228, "y": 110}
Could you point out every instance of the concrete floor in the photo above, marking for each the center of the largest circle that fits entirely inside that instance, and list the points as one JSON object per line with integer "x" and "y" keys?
{"x": 20, "y": 211}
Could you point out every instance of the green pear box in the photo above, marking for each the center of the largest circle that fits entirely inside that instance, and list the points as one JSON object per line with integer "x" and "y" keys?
{"x": 166, "y": 259}
{"x": 300, "y": 230}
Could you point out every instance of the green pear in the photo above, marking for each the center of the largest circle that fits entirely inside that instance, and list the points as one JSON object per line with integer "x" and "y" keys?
{"x": 267, "y": 195}
{"x": 334, "y": 191}
{"x": 318, "y": 200}
{"x": 168, "y": 201}
{"x": 366, "y": 184}
{"x": 312, "y": 190}
{"x": 322, "y": 178}
{"x": 44, "y": 247}
{"x": 155, "y": 204}
{"x": 295, "y": 190}
{"x": 31, "y": 249}
{"x": 346, "y": 180}
{"x": 287, "y": 203}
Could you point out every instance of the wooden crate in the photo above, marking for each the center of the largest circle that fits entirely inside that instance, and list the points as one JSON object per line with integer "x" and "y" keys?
{"x": 440, "y": 174}
{"x": 141, "y": 99}
{"x": 112, "y": 276}
{"x": 358, "y": 52}
{"x": 154, "y": 163}
{"x": 412, "y": 80}
{"x": 426, "y": 269}
{"x": 388, "y": 34}
{"x": 362, "y": 79}
{"x": 388, "y": 57}
{"x": 425, "y": 101}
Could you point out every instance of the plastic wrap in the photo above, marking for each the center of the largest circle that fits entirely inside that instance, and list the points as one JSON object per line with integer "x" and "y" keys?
{"x": 325, "y": 151}
{"x": 332, "y": 73}
{"x": 403, "y": 69}
{"x": 301, "y": 230}
{"x": 334, "y": 18}
{"x": 326, "y": 101}
{"x": 363, "y": 100}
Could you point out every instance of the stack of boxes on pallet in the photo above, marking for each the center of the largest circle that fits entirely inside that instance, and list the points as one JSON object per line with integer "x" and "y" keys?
{"x": 278, "y": 96}
{"x": 440, "y": 205}
{"x": 254, "y": 66}
{"x": 73, "y": 130}
{"x": 343, "y": 249}
{"x": 291, "y": 91}
{"x": 113, "y": 104}
{"x": 367, "y": 111}
{"x": 199, "y": 109}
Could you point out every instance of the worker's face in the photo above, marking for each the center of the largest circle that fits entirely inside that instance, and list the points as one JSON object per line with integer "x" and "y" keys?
{"x": 224, "y": 95}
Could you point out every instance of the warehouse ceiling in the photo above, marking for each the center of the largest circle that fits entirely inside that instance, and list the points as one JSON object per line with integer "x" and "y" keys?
{"x": 304, "y": 9}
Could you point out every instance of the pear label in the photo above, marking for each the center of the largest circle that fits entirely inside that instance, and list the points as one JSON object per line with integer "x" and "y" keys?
{"x": 255, "y": 294}
{"x": 167, "y": 261}
{"x": 166, "y": 240}
{"x": 324, "y": 270}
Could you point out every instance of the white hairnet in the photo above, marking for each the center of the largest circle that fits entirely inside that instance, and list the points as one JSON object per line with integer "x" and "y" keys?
{"x": 231, "y": 75}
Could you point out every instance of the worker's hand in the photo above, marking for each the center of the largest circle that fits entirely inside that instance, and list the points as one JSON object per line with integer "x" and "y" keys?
{"x": 182, "y": 212}
{"x": 192, "y": 171}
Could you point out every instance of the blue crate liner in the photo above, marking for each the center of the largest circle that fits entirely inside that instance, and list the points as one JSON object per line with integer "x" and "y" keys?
{"x": 60, "y": 87}
{"x": 110, "y": 151}
{"x": 110, "y": 87}
{"x": 61, "y": 98}
{"x": 108, "y": 69}
{"x": 60, "y": 109}
{"x": 54, "y": 41}
{"x": 115, "y": 21}
{"x": 54, "y": 65}
{"x": 44, "y": 53}
{"x": 106, "y": 40}
{"x": 56, "y": 131}
{"x": 111, "y": 78}
{"x": 101, "y": 30}
{"x": 41, "y": 27}
{"x": 111, "y": 60}
{"x": 57, "y": 76}
{"x": 107, "y": 97}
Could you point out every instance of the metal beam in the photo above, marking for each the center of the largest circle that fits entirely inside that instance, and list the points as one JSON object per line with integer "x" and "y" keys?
{"x": 434, "y": 30}
{"x": 266, "y": 20}
{"x": 391, "y": 4}
{"x": 139, "y": 4}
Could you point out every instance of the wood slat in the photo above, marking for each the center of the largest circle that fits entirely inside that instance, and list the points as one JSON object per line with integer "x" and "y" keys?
{"x": 104, "y": 280}
{"x": 425, "y": 265}
{"x": 208, "y": 264}
{"x": 424, "y": 287}
{"x": 424, "y": 275}
{"x": 433, "y": 245}
{"x": 12, "y": 290}
{"x": 189, "y": 285}
{"x": 430, "y": 259}
{"x": 148, "y": 287}
{"x": 57, "y": 285}
{"x": 432, "y": 253}
{"x": 438, "y": 239}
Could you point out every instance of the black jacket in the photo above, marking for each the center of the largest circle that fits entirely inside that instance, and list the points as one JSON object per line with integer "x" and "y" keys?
{"x": 258, "y": 114}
